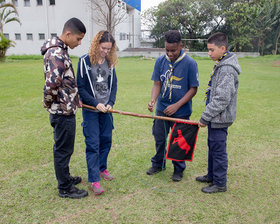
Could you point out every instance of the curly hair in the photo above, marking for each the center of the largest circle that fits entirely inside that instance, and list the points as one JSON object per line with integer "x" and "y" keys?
{"x": 94, "y": 50}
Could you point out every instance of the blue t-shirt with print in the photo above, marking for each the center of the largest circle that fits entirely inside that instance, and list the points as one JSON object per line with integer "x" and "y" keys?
{"x": 185, "y": 75}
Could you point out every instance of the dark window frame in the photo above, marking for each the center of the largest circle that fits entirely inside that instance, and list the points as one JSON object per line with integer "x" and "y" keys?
{"x": 17, "y": 36}
{"x": 29, "y": 36}
{"x": 52, "y": 2}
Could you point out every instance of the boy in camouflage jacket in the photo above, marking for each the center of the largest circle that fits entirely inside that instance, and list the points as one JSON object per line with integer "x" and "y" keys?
{"x": 61, "y": 100}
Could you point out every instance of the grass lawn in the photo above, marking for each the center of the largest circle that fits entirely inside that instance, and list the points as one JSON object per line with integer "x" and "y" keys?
{"x": 28, "y": 188}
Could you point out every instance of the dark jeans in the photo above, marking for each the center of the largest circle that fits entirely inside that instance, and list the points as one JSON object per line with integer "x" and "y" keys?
{"x": 97, "y": 128}
{"x": 64, "y": 129}
{"x": 161, "y": 129}
{"x": 217, "y": 155}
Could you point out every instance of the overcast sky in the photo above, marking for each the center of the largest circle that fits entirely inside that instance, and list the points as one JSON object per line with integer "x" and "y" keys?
{"x": 145, "y": 4}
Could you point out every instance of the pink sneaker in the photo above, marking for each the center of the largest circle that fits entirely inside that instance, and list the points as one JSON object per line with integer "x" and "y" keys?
{"x": 97, "y": 189}
{"x": 106, "y": 175}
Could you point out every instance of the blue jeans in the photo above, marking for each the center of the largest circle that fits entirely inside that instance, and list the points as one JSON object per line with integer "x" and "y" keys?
{"x": 64, "y": 130}
{"x": 217, "y": 155}
{"x": 97, "y": 129}
{"x": 161, "y": 129}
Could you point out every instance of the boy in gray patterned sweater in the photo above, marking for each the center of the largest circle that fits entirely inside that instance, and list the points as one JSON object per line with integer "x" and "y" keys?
{"x": 220, "y": 111}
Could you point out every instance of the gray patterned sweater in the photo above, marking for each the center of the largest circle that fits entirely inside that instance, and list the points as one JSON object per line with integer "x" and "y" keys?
{"x": 221, "y": 109}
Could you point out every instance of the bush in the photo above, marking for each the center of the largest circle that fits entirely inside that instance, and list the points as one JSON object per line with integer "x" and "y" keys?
{"x": 4, "y": 45}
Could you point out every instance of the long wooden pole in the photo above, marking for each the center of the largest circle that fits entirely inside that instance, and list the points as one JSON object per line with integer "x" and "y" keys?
{"x": 144, "y": 115}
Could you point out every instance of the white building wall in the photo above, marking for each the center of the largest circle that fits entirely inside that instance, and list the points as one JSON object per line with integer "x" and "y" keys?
{"x": 136, "y": 28}
{"x": 128, "y": 33}
{"x": 49, "y": 19}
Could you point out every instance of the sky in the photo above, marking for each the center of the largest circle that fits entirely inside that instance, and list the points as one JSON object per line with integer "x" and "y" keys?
{"x": 145, "y": 4}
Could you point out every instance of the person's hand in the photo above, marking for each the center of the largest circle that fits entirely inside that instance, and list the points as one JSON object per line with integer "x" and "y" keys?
{"x": 108, "y": 107}
{"x": 151, "y": 105}
{"x": 171, "y": 109}
{"x": 200, "y": 125}
{"x": 101, "y": 107}
{"x": 80, "y": 104}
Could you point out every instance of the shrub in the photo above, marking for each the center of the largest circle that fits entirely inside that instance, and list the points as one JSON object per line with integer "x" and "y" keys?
{"x": 4, "y": 45}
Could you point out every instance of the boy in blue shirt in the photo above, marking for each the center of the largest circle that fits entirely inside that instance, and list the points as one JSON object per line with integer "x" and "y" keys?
{"x": 220, "y": 111}
{"x": 175, "y": 79}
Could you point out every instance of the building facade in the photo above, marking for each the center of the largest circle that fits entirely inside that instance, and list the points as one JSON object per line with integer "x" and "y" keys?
{"x": 42, "y": 19}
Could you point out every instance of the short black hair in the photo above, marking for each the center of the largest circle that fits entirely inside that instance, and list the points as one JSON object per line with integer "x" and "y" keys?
{"x": 219, "y": 39}
{"x": 75, "y": 26}
{"x": 172, "y": 36}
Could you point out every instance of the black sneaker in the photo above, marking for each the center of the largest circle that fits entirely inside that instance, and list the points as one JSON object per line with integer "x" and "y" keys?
{"x": 204, "y": 179}
{"x": 177, "y": 176}
{"x": 213, "y": 189}
{"x": 76, "y": 180}
{"x": 154, "y": 170}
{"x": 73, "y": 192}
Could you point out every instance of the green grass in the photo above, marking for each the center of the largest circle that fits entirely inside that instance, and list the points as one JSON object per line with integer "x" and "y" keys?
{"x": 28, "y": 188}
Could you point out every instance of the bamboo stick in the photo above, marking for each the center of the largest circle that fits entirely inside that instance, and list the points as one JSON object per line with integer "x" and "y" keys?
{"x": 144, "y": 115}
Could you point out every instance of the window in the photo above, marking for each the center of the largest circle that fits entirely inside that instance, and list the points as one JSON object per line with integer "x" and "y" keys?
{"x": 7, "y": 36}
{"x": 53, "y": 35}
{"x": 52, "y": 2}
{"x": 16, "y": 3}
{"x": 41, "y": 36}
{"x": 29, "y": 36}
{"x": 26, "y": 3}
{"x": 17, "y": 36}
{"x": 122, "y": 36}
{"x": 39, "y": 2}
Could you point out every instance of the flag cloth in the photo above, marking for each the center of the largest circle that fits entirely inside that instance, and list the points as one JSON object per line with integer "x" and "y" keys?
{"x": 182, "y": 142}
{"x": 134, "y": 3}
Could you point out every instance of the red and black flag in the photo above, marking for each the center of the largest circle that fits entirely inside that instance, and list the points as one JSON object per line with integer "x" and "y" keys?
{"x": 182, "y": 142}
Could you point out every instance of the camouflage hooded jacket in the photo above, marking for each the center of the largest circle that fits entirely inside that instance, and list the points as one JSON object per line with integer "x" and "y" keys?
{"x": 60, "y": 90}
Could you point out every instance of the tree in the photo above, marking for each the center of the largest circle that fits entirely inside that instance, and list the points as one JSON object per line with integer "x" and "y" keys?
{"x": 266, "y": 23}
{"x": 148, "y": 19}
{"x": 8, "y": 13}
{"x": 276, "y": 28}
{"x": 251, "y": 24}
{"x": 108, "y": 13}
{"x": 276, "y": 39}
{"x": 193, "y": 18}
{"x": 237, "y": 18}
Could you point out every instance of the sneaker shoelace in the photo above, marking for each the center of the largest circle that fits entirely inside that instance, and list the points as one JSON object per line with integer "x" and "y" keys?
{"x": 96, "y": 184}
{"x": 105, "y": 172}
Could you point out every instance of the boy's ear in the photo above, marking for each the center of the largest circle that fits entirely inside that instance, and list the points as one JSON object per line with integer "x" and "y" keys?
{"x": 224, "y": 48}
{"x": 181, "y": 45}
{"x": 68, "y": 33}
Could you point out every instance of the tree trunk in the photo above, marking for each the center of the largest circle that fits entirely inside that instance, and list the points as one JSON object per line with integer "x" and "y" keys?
{"x": 2, "y": 54}
{"x": 276, "y": 44}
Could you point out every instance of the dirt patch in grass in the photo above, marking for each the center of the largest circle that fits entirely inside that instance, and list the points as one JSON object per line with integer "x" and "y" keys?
{"x": 276, "y": 64}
